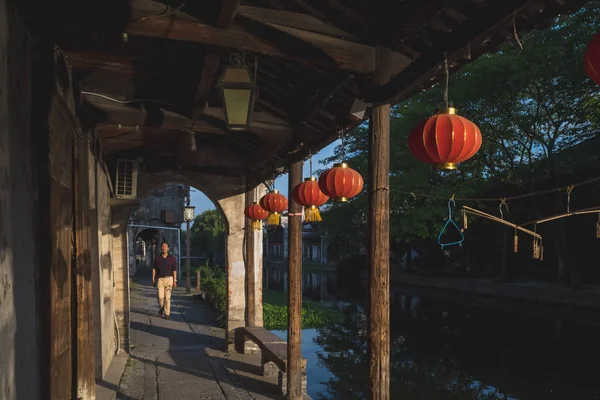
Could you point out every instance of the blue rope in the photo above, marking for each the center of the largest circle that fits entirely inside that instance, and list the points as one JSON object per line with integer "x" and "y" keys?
{"x": 451, "y": 203}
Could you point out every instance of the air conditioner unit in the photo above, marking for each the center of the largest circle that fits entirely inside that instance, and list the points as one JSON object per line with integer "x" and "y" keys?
{"x": 126, "y": 187}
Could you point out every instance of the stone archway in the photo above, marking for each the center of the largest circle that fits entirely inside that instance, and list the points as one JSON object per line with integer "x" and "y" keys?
{"x": 228, "y": 194}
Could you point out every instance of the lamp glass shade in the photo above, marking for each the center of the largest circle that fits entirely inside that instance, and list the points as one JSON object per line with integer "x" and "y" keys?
{"x": 237, "y": 89}
{"x": 188, "y": 213}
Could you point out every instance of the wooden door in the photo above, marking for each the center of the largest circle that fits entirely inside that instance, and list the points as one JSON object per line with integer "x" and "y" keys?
{"x": 61, "y": 235}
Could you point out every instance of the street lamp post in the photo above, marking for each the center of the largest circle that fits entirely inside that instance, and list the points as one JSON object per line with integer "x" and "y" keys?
{"x": 188, "y": 216}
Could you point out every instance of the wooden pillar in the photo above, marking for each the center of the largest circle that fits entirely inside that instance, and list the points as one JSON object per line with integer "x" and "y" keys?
{"x": 250, "y": 267}
{"x": 294, "y": 353}
{"x": 379, "y": 240}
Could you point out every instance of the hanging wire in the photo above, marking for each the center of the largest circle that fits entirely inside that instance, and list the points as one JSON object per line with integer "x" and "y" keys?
{"x": 447, "y": 70}
{"x": 496, "y": 199}
{"x": 503, "y": 203}
{"x": 165, "y": 13}
{"x": 310, "y": 162}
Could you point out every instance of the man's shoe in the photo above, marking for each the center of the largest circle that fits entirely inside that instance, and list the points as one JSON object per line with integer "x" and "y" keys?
{"x": 161, "y": 311}
{"x": 167, "y": 316}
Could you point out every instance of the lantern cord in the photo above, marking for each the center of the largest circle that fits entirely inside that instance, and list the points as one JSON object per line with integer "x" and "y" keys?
{"x": 503, "y": 203}
{"x": 569, "y": 190}
{"x": 451, "y": 203}
{"x": 515, "y": 30}
{"x": 342, "y": 146}
{"x": 447, "y": 70}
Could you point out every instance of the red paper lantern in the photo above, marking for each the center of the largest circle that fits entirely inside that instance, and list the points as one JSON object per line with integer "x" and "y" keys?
{"x": 445, "y": 140}
{"x": 309, "y": 195}
{"x": 592, "y": 58}
{"x": 341, "y": 182}
{"x": 256, "y": 213}
{"x": 275, "y": 203}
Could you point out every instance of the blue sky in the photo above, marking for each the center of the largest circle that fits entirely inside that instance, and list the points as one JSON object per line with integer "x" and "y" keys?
{"x": 202, "y": 203}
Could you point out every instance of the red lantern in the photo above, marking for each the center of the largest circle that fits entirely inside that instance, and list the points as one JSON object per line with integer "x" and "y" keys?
{"x": 445, "y": 140}
{"x": 256, "y": 213}
{"x": 275, "y": 203}
{"x": 309, "y": 195}
{"x": 341, "y": 182}
{"x": 592, "y": 58}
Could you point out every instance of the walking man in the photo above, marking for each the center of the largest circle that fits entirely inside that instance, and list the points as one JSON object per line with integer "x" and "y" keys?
{"x": 164, "y": 277}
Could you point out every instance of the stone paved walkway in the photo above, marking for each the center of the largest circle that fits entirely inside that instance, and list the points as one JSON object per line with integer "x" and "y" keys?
{"x": 181, "y": 358}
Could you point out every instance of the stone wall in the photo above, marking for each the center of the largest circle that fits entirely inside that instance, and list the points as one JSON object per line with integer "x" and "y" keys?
{"x": 19, "y": 324}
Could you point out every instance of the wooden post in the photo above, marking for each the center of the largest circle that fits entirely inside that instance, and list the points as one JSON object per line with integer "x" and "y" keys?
{"x": 197, "y": 281}
{"x": 294, "y": 353}
{"x": 379, "y": 240}
{"x": 188, "y": 238}
{"x": 250, "y": 268}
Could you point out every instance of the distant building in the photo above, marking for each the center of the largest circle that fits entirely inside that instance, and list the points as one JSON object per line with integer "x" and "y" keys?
{"x": 158, "y": 218}
{"x": 314, "y": 242}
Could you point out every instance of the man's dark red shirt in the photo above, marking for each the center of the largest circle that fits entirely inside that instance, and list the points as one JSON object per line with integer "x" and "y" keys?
{"x": 165, "y": 266}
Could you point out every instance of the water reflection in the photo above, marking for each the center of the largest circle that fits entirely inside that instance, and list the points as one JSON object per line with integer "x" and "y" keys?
{"x": 439, "y": 351}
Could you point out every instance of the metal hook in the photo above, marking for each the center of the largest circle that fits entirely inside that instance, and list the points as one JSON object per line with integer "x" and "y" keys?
{"x": 503, "y": 203}
{"x": 569, "y": 190}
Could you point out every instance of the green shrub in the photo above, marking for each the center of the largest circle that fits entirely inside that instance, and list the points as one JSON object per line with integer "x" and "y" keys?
{"x": 314, "y": 315}
{"x": 214, "y": 284}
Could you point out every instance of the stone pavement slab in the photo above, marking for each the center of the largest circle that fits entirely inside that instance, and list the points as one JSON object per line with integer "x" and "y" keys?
{"x": 182, "y": 358}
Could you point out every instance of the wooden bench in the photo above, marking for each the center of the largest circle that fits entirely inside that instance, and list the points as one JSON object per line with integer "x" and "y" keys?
{"x": 273, "y": 351}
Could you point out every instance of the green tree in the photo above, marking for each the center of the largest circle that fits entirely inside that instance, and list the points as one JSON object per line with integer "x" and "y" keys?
{"x": 208, "y": 233}
{"x": 530, "y": 104}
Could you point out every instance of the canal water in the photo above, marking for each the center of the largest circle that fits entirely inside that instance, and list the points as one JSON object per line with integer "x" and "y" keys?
{"x": 443, "y": 351}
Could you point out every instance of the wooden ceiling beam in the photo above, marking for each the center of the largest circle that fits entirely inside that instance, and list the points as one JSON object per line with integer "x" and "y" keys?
{"x": 477, "y": 29}
{"x": 290, "y": 19}
{"x": 212, "y": 61}
{"x": 269, "y": 39}
{"x": 264, "y": 126}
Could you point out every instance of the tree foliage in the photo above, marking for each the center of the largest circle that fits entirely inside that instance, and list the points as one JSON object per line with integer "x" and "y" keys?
{"x": 530, "y": 105}
{"x": 208, "y": 233}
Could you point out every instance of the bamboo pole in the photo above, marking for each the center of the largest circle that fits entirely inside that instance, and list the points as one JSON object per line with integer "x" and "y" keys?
{"x": 563, "y": 215}
{"x": 478, "y": 213}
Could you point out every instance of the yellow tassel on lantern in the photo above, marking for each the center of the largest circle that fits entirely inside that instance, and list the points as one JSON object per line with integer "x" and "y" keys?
{"x": 273, "y": 219}
{"x": 312, "y": 214}
{"x": 256, "y": 224}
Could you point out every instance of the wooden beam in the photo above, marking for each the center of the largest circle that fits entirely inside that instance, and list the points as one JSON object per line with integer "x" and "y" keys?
{"x": 207, "y": 77}
{"x": 324, "y": 97}
{"x": 228, "y": 12}
{"x": 103, "y": 112}
{"x": 212, "y": 60}
{"x": 378, "y": 345}
{"x": 294, "y": 343}
{"x": 275, "y": 40}
{"x": 478, "y": 28}
{"x": 250, "y": 267}
{"x": 305, "y": 22}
